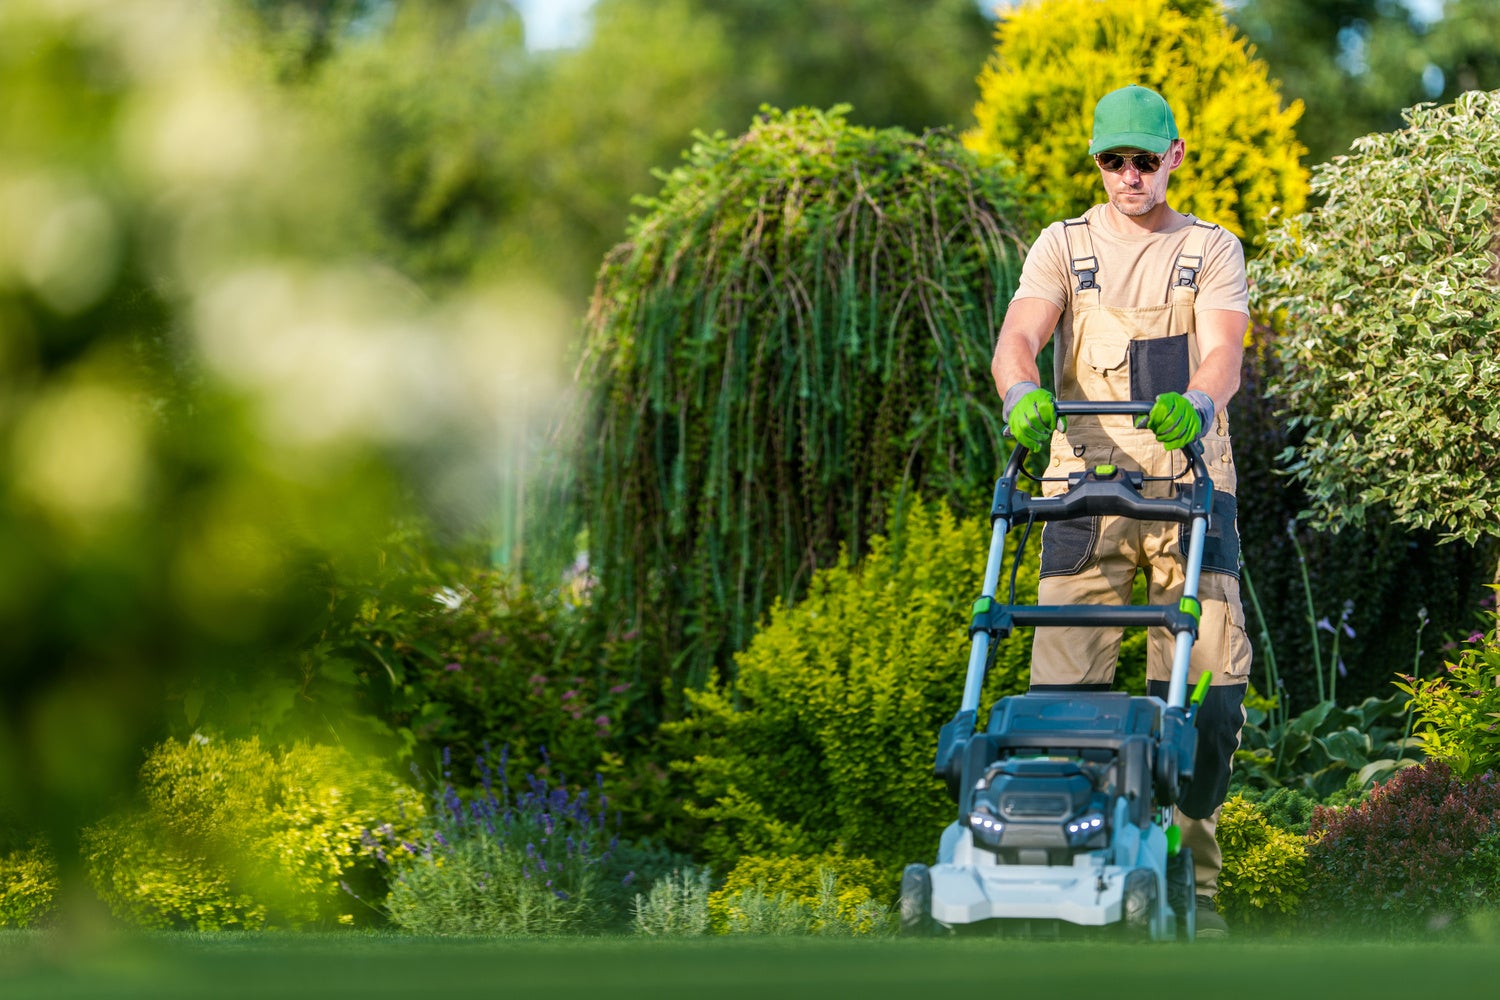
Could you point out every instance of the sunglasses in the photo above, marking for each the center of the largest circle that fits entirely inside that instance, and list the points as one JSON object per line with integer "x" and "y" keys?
{"x": 1146, "y": 163}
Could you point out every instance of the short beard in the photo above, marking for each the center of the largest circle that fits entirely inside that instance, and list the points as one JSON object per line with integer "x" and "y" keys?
{"x": 1143, "y": 209}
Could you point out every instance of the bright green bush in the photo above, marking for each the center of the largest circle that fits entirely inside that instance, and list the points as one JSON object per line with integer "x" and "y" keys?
{"x": 1390, "y": 292}
{"x": 28, "y": 885}
{"x": 235, "y": 835}
{"x": 829, "y": 737}
{"x": 829, "y": 895}
{"x": 1056, "y": 58}
{"x": 795, "y": 337}
{"x": 1264, "y": 874}
{"x": 1459, "y": 710}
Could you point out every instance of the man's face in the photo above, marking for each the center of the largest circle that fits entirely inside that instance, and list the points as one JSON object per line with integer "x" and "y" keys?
{"x": 1134, "y": 193}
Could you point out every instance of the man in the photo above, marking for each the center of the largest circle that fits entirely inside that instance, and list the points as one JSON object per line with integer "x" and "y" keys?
{"x": 1149, "y": 304}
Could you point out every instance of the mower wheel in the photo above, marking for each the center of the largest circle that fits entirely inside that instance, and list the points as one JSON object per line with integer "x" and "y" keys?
{"x": 1140, "y": 903}
{"x": 916, "y": 901}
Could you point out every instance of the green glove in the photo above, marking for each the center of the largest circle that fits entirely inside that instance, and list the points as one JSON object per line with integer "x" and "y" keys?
{"x": 1178, "y": 419}
{"x": 1033, "y": 416}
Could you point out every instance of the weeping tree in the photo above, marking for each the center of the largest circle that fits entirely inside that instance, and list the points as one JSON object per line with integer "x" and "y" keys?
{"x": 793, "y": 340}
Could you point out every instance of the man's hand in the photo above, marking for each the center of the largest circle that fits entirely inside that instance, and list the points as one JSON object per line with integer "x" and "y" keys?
{"x": 1178, "y": 419}
{"x": 1032, "y": 415}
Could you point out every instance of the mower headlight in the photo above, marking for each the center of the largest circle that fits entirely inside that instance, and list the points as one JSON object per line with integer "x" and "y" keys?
{"x": 986, "y": 826}
{"x": 1083, "y": 827}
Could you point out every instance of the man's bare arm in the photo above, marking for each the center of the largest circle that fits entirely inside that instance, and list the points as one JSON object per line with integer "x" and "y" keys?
{"x": 1221, "y": 349}
{"x": 1027, "y": 327}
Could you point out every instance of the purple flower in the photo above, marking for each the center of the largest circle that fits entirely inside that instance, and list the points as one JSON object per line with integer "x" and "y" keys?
{"x": 569, "y": 695}
{"x": 629, "y": 878}
{"x": 453, "y": 668}
{"x": 602, "y": 721}
{"x": 559, "y": 893}
{"x": 619, "y": 689}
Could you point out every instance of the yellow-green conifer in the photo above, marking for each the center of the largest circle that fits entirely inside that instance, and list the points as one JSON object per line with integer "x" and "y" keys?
{"x": 1055, "y": 58}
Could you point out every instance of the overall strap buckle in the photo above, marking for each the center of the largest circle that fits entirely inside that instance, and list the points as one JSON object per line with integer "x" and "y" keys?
{"x": 1080, "y": 252}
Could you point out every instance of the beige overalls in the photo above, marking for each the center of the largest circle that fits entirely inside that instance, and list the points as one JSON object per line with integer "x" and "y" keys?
{"x": 1119, "y": 354}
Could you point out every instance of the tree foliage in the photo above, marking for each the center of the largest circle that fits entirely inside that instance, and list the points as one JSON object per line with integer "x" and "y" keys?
{"x": 1055, "y": 58}
{"x": 1389, "y": 299}
{"x": 904, "y": 63}
{"x": 797, "y": 331}
{"x": 1356, "y": 63}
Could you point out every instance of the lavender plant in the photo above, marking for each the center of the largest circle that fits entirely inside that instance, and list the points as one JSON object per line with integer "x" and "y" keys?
{"x": 494, "y": 862}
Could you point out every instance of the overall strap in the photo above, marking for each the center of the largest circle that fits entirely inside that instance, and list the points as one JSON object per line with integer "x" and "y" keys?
{"x": 1081, "y": 255}
{"x": 1085, "y": 297}
{"x": 1190, "y": 258}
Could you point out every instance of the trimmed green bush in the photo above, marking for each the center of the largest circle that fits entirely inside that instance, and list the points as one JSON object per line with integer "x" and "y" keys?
{"x": 1264, "y": 874}
{"x": 795, "y": 337}
{"x": 1054, "y": 59}
{"x": 235, "y": 835}
{"x": 829, "y": 736}
{"x": 828, "y": 895}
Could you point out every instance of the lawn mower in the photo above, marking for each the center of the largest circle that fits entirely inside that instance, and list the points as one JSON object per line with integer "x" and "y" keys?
{"x": 1065, "y": 798}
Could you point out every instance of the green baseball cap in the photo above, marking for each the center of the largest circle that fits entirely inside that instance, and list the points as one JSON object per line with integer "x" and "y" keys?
{"x": 1133, "y": 117}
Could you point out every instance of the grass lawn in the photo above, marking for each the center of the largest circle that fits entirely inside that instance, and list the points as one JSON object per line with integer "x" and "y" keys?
{"x": 37, "y": 964}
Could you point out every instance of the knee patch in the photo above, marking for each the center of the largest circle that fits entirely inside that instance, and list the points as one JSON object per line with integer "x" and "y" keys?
{"x": 1218, "y": 722}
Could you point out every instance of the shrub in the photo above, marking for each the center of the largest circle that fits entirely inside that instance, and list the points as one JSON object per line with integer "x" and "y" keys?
{"x": 1388, "y": 290}
{"x": 459, "y": 656}
{"x": 28, "y": 885}
{"x": 1459, "y": 711}
{"x": 676, "y": 905}
{"x": 795, "y": 337}
{"x": 828, "y": 895}
{"x": 1405, "y": 859}
{"x": 1264, "y": 874}
{"x": 839, "y": 701}
{"x": 486, "y": 862}
{"x": 235, "y": 835}
{"x": 1054, "y": 59}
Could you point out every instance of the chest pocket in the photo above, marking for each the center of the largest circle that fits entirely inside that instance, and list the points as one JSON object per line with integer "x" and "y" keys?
{"x": 1158, "y": 365}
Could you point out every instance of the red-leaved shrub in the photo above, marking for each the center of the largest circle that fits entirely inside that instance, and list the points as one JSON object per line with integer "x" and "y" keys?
{"x": 1417, "y": 854}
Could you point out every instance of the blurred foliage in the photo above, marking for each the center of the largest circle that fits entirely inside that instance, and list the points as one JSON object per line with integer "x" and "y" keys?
{"x": 28, "y": 883}
{"x": 904, "y": 63}
{"x": 1054, "y": 59}
{"x": 838, "y": 701}
{"x": 794, "y": 338}
{"x": 212, "y": 410}
{"x": 230, "y": 834}
{"x": 1389, "y": 294}
{"x": 1356, "y": 63}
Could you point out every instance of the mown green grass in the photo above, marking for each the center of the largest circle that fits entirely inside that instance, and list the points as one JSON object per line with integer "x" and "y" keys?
{"x": 379, "y": 965}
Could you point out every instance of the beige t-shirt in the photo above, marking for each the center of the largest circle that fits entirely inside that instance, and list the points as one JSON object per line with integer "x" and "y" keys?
{"x": 1135, "y": 270}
